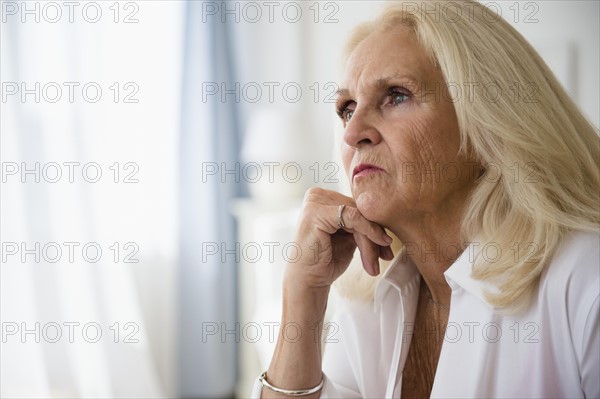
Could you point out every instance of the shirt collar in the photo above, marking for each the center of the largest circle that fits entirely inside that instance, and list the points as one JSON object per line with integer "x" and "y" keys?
{"x": 458, "y": 276}
{"x": 403, "y": 271}
{"x": 398, "y": 275}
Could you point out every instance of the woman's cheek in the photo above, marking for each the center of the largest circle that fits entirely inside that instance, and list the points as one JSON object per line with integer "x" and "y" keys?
{"x": 347, "y": 154}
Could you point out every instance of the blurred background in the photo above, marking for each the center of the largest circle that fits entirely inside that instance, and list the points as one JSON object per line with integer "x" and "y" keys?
{"x": 154, "y": 156}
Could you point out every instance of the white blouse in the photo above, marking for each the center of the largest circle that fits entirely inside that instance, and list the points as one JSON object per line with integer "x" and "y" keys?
{"x": 551, "y": 350}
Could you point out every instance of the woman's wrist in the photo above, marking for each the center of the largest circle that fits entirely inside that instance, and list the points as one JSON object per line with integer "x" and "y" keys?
{"x": 303, "y": 302}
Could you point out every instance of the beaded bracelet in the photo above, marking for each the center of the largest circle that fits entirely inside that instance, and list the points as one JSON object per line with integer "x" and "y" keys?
{"x": 294, "y": 392}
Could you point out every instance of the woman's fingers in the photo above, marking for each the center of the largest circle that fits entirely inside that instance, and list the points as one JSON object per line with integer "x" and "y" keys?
{"x": 386, "y": 253}
{"x": 355, "y": 222}
{"x": 371, "y": 239}
{"x": 326, "y": 204}
{"x": 327, "y": 212}
{"x": 369, "y": 253}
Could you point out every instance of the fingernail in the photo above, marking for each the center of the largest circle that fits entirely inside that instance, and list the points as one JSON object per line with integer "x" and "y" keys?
{"x": 388, "y": 239}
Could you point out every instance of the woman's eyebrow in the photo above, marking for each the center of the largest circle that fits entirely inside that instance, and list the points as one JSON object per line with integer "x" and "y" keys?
{"x": 381, "y": 83}
{"x": 343, "y": 92}
{"x": 386, "y": 82}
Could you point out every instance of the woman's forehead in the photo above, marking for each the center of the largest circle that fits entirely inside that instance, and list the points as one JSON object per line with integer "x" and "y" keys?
{"x": 387, "y": 56}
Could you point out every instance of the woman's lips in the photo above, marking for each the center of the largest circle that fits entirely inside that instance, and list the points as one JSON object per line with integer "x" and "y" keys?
{"x": 364, "y": 170}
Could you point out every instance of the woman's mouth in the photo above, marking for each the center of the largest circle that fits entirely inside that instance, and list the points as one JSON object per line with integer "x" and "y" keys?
{"x": 365, "y": 170}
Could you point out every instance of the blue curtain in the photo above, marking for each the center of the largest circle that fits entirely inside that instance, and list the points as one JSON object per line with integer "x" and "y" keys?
{"x": 207, "y": 287}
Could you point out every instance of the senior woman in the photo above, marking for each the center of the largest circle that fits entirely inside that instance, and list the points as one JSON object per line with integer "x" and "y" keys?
{"x": 495, "y": 199}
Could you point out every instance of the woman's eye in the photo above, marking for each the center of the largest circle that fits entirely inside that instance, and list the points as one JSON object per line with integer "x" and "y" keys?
{"x": 345, "y": 111}
{"x": 398, "y": 98}
{"x": 348, "y": 115}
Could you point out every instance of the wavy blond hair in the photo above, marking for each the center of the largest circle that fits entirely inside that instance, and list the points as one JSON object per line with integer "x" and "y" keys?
{"x": 541, "y": 155}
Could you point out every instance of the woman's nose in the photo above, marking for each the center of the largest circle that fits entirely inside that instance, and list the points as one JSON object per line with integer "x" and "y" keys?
{"x": 361, "y": 129}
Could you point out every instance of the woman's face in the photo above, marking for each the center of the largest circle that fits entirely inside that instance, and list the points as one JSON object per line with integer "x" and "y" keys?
{"x": 401, "y": 137}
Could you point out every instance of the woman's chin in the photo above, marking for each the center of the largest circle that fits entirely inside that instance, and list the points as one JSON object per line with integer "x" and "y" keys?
{"x": 372, "y": 206}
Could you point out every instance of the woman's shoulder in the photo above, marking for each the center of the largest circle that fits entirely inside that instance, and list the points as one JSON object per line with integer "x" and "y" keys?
{"x": 579, "y": 254}
{"x": 574, "y": 270}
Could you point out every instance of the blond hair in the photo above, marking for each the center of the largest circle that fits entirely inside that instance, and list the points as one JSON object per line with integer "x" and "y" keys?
{"x": 541, "y": 155}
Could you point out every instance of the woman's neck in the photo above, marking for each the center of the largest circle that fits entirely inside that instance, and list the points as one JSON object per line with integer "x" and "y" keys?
{"x": 433, "y": 242}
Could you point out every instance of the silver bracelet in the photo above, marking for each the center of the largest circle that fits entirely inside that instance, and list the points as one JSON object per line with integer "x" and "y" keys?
{"x": 295, "y": 392}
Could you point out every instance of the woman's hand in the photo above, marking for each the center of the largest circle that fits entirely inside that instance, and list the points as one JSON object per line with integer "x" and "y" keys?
{"x": 326, "y": 253}
{"x": 326, "y": 249}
